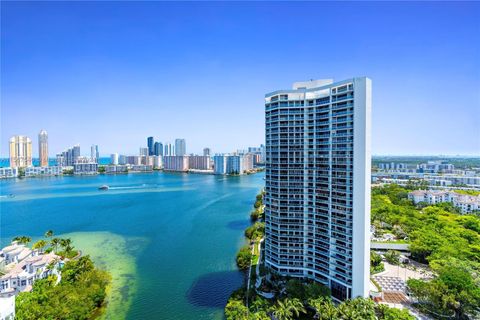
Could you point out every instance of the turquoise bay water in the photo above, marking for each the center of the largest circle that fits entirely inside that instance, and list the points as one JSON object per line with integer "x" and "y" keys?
{"x": 169, "y": 240}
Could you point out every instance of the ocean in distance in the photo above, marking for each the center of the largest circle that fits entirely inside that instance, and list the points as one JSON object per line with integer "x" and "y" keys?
{"x": 168, "y": 239}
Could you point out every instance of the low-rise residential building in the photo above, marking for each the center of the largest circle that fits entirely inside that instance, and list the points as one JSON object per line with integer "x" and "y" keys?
{"x": 116, "y": 169}
{"x": 141, "y": 168}
{"x": 175, "y": 163}
{"x": 466, "y": 203}
{"x": 392, "y": 166}
{"x": 436, "y": 167}
{"x": 453, "y": 179}
{"x": 85, "y": 166}
{"x": 21, "y": 276}
{"x": 8, "y": 172}
{"x": 44, "y": 171}
{"x": 14, "y": 253}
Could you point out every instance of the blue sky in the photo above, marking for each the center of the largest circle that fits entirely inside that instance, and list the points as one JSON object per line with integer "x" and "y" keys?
{"x": 113, "y": 73}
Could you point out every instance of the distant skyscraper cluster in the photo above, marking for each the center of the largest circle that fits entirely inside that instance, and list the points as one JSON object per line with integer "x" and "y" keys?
{"x": 69, "y": 156}
{"x": 156, "y": 155}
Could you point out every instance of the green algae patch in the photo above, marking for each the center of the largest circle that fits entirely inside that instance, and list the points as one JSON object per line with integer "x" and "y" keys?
{"x": 113, "y": 253}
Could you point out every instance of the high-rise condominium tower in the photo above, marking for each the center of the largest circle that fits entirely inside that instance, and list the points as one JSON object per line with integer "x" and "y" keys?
{"x": 180, "y": 147}
{"x": 43, "y": 148}
{"x": 20, "y": 152}
{"x": 94, "y": 155}
{"x": 317, "y": 200}
{"x": 158, "y": 149}
{"x": 169, "y": 150}
{"x": 150, "y": 146}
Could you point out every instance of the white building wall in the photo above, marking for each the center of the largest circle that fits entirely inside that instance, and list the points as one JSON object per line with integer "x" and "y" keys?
{"x": 361, "y": 187}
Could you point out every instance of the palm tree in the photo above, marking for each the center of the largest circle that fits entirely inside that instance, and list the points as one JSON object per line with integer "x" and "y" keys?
{"x": 66, "y": 244}
{"x": 260, "y": 315}
{"x": 365, "y": 308}
{"x": 346, "y": 312}
{"x": 324, "y": 307}
{"x": 39, "y": 245}
{"x": 25, "y": 240}
{"x": 55, "y": 242}
{"x": 49, "y": 234}
{"x": 357, "y": 309}
{"x": 288, "y": 309}
{"x": 259, "y": 304}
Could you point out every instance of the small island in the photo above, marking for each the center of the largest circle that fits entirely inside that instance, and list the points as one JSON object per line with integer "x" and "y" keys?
{"x": 50, "y": 280}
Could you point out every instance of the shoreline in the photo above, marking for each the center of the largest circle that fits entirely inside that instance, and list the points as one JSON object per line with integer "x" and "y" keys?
{"x": 191, "y": 171}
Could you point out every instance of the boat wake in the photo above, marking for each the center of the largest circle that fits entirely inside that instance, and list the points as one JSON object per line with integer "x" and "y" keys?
{"x": 142, "y": 186}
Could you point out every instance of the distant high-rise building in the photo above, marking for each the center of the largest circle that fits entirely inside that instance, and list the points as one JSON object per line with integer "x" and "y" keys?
{"x": 180, "y": 147}
{"x": 122, "y": 159}
{"x": 158, "y": 149}
{"x": 220, "y": 164}
{"x": 262, "y": 153}
{"x": 206, "y": 151}
{"x": 94, "y": 155}
{"x": 175, "y": 163}
{"x": 43, "y": 148}
{"x": 169, "y": 150}
{"x": 114, "y": 158}
{"x": 69, "y": 156}
{"x": 317, "y": 194}
{"x": 150, "y": 146}
{"x": 20, "y": 152}
{"x": 157, "y": 162}
{"x": 199, "y": 162}
{"x": 143, "y": 152}
{"x": 235, "y": 164}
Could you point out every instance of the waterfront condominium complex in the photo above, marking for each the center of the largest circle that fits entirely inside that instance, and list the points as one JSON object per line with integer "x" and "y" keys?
{"x": 317, "y": 194}
{"x": 175, "y": 163}
{"x": 20, "y": 152}
{"x": 43, "y": 148}
{"x": 199, "y": 162}
{"x": 180, "y": 147}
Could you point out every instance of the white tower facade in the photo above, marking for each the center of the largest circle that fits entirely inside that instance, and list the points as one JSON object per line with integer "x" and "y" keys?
{"x": 317, "y": 199}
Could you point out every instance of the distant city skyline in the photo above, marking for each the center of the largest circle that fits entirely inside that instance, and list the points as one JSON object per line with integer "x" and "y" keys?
{"x": 114, "y": 73}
